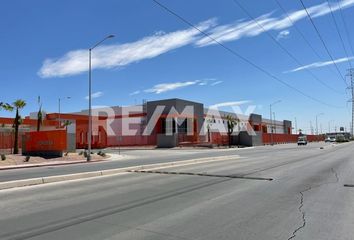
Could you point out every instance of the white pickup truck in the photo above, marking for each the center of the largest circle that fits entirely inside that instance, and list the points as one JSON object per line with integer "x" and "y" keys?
{"x": 302, "y": 140}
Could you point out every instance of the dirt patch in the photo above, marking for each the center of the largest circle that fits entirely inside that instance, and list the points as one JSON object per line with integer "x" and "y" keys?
{"x": 17, "y": 159}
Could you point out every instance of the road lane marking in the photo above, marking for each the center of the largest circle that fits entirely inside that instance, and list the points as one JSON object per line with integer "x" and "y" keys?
{"x": 202, "y": 174}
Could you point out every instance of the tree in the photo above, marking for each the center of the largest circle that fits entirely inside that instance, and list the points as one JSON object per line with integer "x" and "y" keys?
{"x": 18, "y": 105}
{"x": 39, "y": 115}
{"x": 6, "y": 106}
{"x": 66, "y": 124}
{"x": 300, "y": 132}
{"x": 208, "y": 125}
{"x": 39, "y": 119}
{"x": 231, "y": 122}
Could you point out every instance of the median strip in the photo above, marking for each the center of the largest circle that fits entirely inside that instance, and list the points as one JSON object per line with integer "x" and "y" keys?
{"x": 86, "y": 175}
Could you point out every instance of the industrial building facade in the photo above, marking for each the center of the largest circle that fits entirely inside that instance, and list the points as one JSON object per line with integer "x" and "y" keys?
{"x": 163, "y": 123}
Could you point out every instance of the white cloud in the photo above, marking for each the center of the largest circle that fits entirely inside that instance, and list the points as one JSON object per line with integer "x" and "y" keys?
{"x": 95, "y": 95}
{"x": 228, "y": 104}
{"x": 216, "y": 83}
{"x": 283, "y": 34}
{"x": 320, "y": 64}
{"x": 111, "y": 56}
{"x": 118, "y": 55}
{"x": 134, "y": 93}
{"x": 250, "y": 28}
{"x": 166, "y": 87}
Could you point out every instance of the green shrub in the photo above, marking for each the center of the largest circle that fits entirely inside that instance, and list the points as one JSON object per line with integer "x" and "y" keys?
{"x": 81, "y": 152}
{"x": 3, "y": 157}
{"x": 85, "y": 154}
{"x": 27, "y": 158}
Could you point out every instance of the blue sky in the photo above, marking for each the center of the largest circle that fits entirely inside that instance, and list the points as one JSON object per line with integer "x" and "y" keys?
{"x": 155, "y": 55}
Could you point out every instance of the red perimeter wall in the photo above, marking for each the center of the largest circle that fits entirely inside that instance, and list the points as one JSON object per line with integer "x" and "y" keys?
{"x": 288, "y": 138}
{"x": 46, "y": 141}
{"x": 7, "y": 141}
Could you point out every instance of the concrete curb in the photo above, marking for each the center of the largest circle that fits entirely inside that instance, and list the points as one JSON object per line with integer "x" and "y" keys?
{"x": 86, "y": 175}
{"x": 48, "y": 165}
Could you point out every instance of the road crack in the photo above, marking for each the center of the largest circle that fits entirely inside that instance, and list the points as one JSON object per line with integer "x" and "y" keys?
{"x": 303, "y": 214}
{"x": 302, "y": 199}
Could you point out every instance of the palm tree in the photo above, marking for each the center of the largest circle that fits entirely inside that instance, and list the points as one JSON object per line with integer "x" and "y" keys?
{"x": 6, "y": 106}
{"x": 18, "y": 104}
{"x": 231, "y": 122}
{"x": 66, "y": 124}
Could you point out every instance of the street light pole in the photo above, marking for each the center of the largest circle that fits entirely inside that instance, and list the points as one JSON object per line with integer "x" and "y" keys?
{"x": 89, "y": 137}
{"x": 295, "y": 125}
{"x": 275, "y": 123}
{"x": 59, "y": 112}
{"x": 271, "y": 121}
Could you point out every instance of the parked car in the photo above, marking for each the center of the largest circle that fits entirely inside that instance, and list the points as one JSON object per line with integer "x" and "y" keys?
{"x": 302, "y": 140}
{"x": 328, "y": 139}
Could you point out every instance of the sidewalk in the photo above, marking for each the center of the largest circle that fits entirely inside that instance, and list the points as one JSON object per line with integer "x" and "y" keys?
{"x": 112, "y": 157}
{"x": 46, "y": 164}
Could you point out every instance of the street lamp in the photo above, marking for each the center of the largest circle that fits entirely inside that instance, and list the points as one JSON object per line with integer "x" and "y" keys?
{"x": 59, "y": 102}
{"x": 275, "y": 124}
{"x": 329, "y": 125}
{"x": 271, "y": 121}
{"x": 89, "y": 96}
{"x": 320, "y": 114}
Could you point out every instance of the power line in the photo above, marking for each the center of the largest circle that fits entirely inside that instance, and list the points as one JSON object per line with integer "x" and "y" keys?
{"x": 242, "y": 57}
{"x": 299, "y": 32}
{"x": 345, "y": 27}
{"x": 339, "y": 34}
{"x": 324, "y": 44}
{"x": 282, "y": 47}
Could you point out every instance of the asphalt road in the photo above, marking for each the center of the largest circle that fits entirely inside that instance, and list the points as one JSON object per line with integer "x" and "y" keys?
{"x": 141, "y": 157}
{"x": 306, "y": 200}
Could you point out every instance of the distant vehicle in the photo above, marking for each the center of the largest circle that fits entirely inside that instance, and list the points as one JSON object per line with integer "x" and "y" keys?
{"x": 328, "y": 139}
{"x": 332, "y": 139}
{"x": 302, "y": 140}
{"x": 341, "y": 138}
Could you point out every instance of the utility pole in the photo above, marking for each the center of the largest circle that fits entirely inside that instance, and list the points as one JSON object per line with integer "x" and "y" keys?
{"x": 317, "y": 122}
{"x": 351, "y": 76}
